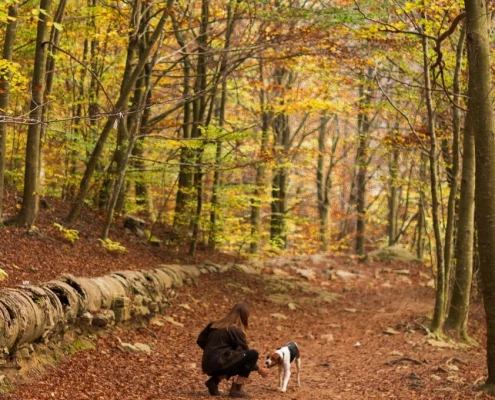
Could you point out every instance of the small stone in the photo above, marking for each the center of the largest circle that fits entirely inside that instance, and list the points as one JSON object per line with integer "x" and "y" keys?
{"x": 279, "y": 316}
{"x": 143, "y": 347}
{"x": 328, "y": 337}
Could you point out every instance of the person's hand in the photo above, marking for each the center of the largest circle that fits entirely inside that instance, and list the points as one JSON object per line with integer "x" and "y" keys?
{"x": 263, "y": 372}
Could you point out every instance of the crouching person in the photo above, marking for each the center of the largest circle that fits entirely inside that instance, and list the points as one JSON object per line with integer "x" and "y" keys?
{"x": 226, "y": 353}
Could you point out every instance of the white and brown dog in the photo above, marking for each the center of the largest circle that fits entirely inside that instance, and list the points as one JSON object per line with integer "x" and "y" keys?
{"x": 283, "y": 357}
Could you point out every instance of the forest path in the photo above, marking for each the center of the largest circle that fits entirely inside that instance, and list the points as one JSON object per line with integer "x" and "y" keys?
{"x": 361, "y": 335}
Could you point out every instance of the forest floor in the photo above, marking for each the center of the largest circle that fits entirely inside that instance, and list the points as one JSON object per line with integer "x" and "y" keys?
{"x": 361, "y": 327}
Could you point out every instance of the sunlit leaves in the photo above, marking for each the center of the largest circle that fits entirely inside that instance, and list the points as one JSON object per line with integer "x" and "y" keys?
{"x": 11, "y": 72}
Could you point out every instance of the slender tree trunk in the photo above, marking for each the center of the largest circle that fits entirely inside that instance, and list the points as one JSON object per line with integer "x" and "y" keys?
{"x": 278, "y": 234}
{"x": 393, "y": 199}
{"x": 120, "y": 107}
{"x": 282, "y": 132}
{"x": 441, "y": 296}
{"x": 199, "y": 112}
{"x": 362, "y": 165}
{"x": 480, "y": 108}
{"x": 454, "y": 170}
{"x": 223, "y": 74}
{"x": 69, "y": 188}
{"x": 8, "y": 49}
{"x": 421, "y": 224}
{"x": 30, "y": 198}
{"x": 138, "y": 102}
{"x": 130, "y": 126}
{"x": 124, "y": 126}
{"x": 260, "y": 168}
{"x": 461, "y": 290}
{"x": 144, "y": 198}
{"x": 212, "y": 239}
{"x": 52, "y": 50}
{"x": 118, "y": 187}
{"x": 323, "y": 182}
{"x": 185, "y": 178}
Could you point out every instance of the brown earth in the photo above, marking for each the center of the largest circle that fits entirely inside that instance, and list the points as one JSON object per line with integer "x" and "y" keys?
{"x": 363, "y": 337}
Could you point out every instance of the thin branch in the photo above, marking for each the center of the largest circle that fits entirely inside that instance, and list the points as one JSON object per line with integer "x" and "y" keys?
{"x": 391, "y": 102}
{"x": 85, "y": 67}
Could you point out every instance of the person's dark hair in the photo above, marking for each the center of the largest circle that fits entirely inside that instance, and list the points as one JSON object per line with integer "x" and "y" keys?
{"x": 238, "y": 316}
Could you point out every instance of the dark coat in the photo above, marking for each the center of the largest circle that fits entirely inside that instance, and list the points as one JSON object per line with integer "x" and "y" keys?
{"x": 221, "y": 348}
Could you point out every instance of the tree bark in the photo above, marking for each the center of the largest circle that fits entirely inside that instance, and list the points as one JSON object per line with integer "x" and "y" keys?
{"x": 454, "y": 169}
{"x": 282, "y": 132}
{"x": 480, "y": 107}
{"x": 8, "y": 50}
{"x": 199, "y": 112}
{"x": 324, "y": 179}
{"x": 222, "y": 75}
{"x": 362, "y": 163}
{"x": 461, "y": 290}
{"x": 278, "y": 234}
{"x": 260, "y": 168}
{"x": 393, "y": 198}
{"x": 440, "y": 294}
{"x": 30, "y": 198}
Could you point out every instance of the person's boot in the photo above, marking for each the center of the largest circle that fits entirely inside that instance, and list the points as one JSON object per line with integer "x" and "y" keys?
{"x": 212, "y": 385}
{"x": 236, "y": 391}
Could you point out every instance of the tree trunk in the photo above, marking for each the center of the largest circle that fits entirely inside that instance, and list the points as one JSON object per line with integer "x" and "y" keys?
{"x": 260, "y": 169}
{"x": 461, "y": 290}
{"x": 30, "y": 198}
{"x": 324, "y": 181}
{"x": 393, "y": 198}
{"x": 454, "y": 169}
{"x": 281, "y": 128}
{"x": 362, "y": 164}
{"x": 144, "y": 198}
{"x": 118, "y": 187}
{"x": 185, "y": 179}
{"x": 222, "y": 75}
{"x": 199, "y": 112}
{"x": 421, "y": 224}
{"x": 120, "y": 107}
{"x": 8, "y": 49}
{"x": 440, "y": 295}
{"x": 278, "y": 234}
{"x": 480, "y": 107}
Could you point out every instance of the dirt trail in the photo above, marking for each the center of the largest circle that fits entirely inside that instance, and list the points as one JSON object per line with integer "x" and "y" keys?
{"x": 361, "y": 337}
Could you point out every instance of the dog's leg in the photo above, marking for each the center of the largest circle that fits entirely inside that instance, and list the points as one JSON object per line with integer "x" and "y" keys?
{"x": 286, "y": 376}
{"x": 280, "y": 372}
{"x": 298, "y": 367}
